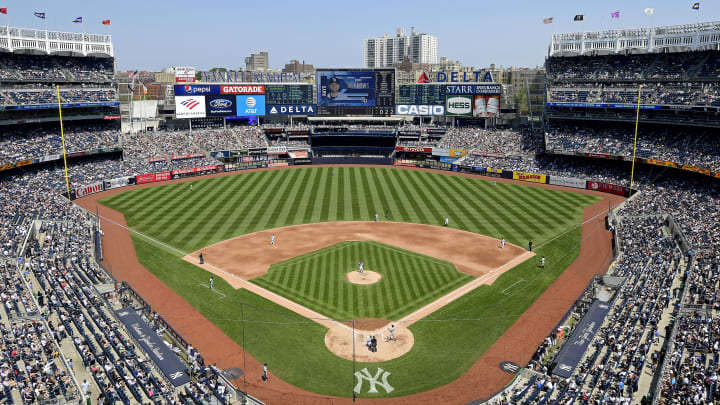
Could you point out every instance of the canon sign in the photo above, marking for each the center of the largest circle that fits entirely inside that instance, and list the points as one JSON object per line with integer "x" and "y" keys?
{"x": 410, "y": 109}
{"x": 91, "y": 189}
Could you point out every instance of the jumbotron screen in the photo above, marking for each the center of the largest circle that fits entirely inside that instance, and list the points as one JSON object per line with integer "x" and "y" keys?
{"x": 356, "y": 91}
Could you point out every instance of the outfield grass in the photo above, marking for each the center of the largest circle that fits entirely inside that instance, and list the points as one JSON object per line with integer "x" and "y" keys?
{"x": 447, "y": 342}
{"x": 317, "y": 281}
{"x": 224, "y": 207}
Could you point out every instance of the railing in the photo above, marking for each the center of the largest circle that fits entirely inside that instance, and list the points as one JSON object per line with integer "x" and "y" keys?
{"x": 15, "y": 38}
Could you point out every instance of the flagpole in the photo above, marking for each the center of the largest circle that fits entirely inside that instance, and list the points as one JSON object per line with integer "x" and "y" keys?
{"x": 8, "y": 32}
{"x": 62, "y": 136}
{"x": 637, "y": 120}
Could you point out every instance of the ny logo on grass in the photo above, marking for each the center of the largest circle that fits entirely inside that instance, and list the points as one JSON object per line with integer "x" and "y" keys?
{"x": 364, "y": 374}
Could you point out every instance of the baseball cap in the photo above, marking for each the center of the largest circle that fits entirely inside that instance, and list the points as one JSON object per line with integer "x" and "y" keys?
{"x": 334, "y": 80}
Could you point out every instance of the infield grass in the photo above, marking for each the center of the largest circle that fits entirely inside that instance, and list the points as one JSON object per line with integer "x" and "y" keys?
{"x": 447, "y": 342}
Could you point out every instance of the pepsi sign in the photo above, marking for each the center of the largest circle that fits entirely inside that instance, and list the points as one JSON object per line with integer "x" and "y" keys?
{"x": 220, "y": 106}
{"x": 291, "y": 109}
{"x": 194, "y": 89}
{"x": 413, "y": 109}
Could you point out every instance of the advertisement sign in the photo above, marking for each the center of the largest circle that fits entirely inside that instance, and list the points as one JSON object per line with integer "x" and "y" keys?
{"x": 196, "y": 90}
{"x": 152, "y": 177}
{"x": 440, "y": 152}
{"x": 497, "y": 155}
{"x": 584, "y": 334}
{"x": 184, "y": 74}
{"x": 24, "y": 162}
{"x": 220, "y": 106}
{"x": 250, "y": 105}
{"x": 661, "y": 163}
{"x": 301, "y": 154}
{"x": 154, "y": 346}
{"x": 457, "y": 153}
{"x": 424, "y": 110}
{"x": 187, "y": 156}
{"x": 607, "y": 187}
{"x": 598, "y": 155}
{"x": 91, "y": 189}
{"x": 291, "y": 109}
{"x": 112, "y": 117}
{"x": 345, "y": 88}
{"x": 190, "y": 107}
{"x": 157, "y": 159}
{"x": 486, "y": 106}
{"x": 474, "y": 89}
{"x": 567, "y": 182}
{"x": 278, "y": 164}
{"x": 242, "y": 89}
{"x": 6, "y": 166}
{"x": 49, "y": 158}
{"x": 532, "y": 177}
{"x": 684, "y": 167}
{"x": 118, "y": 182}
{"x": 459, "y": 106}
{"x": 277, "y": 150}
{"x": 413, "y": 149}
{"x": 194, "y": 170}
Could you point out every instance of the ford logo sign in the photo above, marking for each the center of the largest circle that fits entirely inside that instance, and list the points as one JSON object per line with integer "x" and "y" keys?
{"x": 220, "y": 103}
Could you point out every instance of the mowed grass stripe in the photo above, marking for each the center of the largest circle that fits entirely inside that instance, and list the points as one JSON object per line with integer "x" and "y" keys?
{"x": 300, "y": 183}
{"x": 429, "y": 213}
{"x": 401, "y": 209}
{"x": 376, "y": 206}
{"x": 249, "y": 197}
{"x": 409, "y": 198}
{"x": 264, "y": 213}
{"x": 317, "y": 206}
{"x": 358, "y": 193}
{"x": 511, "y": 228}
{"x": 176, "y": 230}
{"x": 469, "y": 218}
{"x": 487, "y": 222}
{"x": 298, "y": 207}
{"x": 333, "y": 195}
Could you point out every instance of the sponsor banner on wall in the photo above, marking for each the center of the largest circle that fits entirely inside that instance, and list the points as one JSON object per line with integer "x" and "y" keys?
{"x": 661, "y": 163}
{"x": 457, "y": 153}
{"x": 291, "y": 109}
{"x": 278, "y": 164}
{"x": 413, "y": 149}
{"x": 49, "y": 158}
{"x": 154, "y": 346}
{"x": 152, "y": 177}
{"x": 440, "y": 152}
{"x": 91, "y": 189}
{"x": 187, "y": 156}
{"x": 242, "y": 89}
{"x": 607, "y": 187}
{"x": 688, "y": 168}
{"x": 196, "y": 90}
{"x": 190, "y": 106}
{"x": 408, "y": 163}
{"x": 459, "y": 106}
{"x": 497, "y": 155}
{"x": 717, "y": 174}
{"x": 584, "y": 334}
{"x": 156, "y": 159}
{"x": 448, "y": 159}
{"x": 118, "y": 182}
{"x": 112, "y": 117}
{"x": 301, "y": 154}
{"x": 75, "y": 154}
{"x": 567, "y": 182}
{"x": 250, "y": 105}
{"x": 597, "y": 155}
{"x": 486, "y": 106}
{"x": 194, "y": 170}
{"x": 532, "y": 177}
{"x": 24, "y": 162}
{"x": 220, "y": 106}
{"x": 6, "y": 166}
{"x": 419, "y": 109}
{"x": 277, "y": 150}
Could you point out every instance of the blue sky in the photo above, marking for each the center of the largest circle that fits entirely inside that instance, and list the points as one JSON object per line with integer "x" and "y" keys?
{"x": 154, "y": 34}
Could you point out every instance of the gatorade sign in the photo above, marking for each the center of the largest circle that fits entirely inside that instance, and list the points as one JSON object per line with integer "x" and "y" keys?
{"x": 458, "y": 106}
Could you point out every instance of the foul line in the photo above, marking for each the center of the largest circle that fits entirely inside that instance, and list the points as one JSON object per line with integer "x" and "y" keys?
{"x": 513, "y": 285}
{"x": 213, "y": 290}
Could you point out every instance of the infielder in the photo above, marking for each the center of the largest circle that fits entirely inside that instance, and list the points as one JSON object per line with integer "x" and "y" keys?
{"x": 447, "y": 221}
{"x": 265, "y": 373}
{"x": 376, "y": 217}
{"x": 502, "y": 243}
{"x": 392, "y": 334}
{"x": 272, "y": 240}
{"x": 361, "y": 268}
{"x": 542, "y": 262}
{"x": 211, "y": 282}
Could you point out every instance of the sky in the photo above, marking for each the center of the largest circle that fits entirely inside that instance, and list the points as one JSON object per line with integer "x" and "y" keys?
{"x": 155, "y": 34}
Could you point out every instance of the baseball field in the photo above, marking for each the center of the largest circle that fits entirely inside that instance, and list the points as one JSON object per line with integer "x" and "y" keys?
{"x": 171, "y": 222}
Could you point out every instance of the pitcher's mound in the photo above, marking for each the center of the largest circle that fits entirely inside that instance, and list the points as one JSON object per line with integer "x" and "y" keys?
{"x": 366, "y": 277}
{"x": 339, "y": 341}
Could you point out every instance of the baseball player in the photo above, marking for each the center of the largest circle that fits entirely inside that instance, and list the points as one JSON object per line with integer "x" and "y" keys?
{"x": 542, "y": 262}
{"x": 502, "y": 243}
{"x": 530, "y": 246}
{"x": 376, "y": 217}
{"x": 387, "y": 213}
{"x": 272, "y": 240}
{"x": 495, "y": 183}
{"x": 361, "y": 268}
{"x": 392, "y": 334}
{"x": 447, "y": 221}
{"x": 265, "y": 373}
{"x": 190, "y": 186}
{"x": 211, "y": 282}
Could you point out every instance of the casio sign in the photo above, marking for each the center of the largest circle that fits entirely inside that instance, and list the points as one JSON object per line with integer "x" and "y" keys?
{"x": 459, "y": 105}
{"x": 220, "y": 103}
{"x": 404, "y": 109}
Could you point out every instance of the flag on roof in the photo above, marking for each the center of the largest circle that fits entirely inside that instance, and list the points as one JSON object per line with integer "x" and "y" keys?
{"x": 106, "y": 22}
{"x": 3, "y": 10}
{"x": 615, "y": 14}
{"x": 696, "y": 6}
{"x": 578, "y": 17}
{"x": 40, "y": 15}
{"x": 649, "y": 11}
{"x": 548, "y": 20}
{"x": 78, "y": 20}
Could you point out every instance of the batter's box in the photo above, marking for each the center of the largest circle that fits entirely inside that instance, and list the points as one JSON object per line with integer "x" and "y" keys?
{"x": 505, "y": 291}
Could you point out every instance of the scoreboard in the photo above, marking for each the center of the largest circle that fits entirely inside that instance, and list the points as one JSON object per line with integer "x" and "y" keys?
{"x": 356, "y": 91}
{"x": 288, "y": 94}
{"x": 422, "y": 94}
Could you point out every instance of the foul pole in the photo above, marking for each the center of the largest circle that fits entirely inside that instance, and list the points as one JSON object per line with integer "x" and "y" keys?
{"x": 62, "y": 136}
{"x": 637, "y": 120}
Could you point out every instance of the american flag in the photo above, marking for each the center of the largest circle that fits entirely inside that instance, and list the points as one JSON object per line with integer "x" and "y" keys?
{"x": 548, "y": 20}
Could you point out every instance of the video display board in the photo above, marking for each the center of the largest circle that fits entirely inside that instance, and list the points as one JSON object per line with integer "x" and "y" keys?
{"x": 355, "y": 91}
{"x": 281, "y": 94}
{"x": 422, "y": 94}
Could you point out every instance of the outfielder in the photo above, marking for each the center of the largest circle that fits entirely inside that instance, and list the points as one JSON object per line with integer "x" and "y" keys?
{"x": 542, "y": 262}
{"x": 495, "y": 183}
{"x": 376, "y": 217}
{"x": 211, "y": 282}
{"x": 447, "y": 221}
{"x": 272, "y": 240}
{"x": 502, "y": 243}
{"x": 190, "y": 186}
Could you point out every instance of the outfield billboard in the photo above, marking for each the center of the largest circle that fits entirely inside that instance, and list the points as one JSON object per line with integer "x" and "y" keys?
{"x": 220, "y": 106}
{"x": 531, "y": 177}
{"x": 346, "y": 88}
{"x": 458, "y": 106}
{"x": 607, "y": 188}
{"x": 190, "y": 106}
{"x": 486, "y": 106}
{"x": 422, "y": 109}
{"x": 250, "y": 105}
{"x": 291, "y": 109}
{"x": 567, "y": 182}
